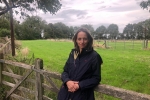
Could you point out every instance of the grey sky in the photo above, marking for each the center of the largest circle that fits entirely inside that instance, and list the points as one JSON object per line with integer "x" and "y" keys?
{"x": 98, "y": 12}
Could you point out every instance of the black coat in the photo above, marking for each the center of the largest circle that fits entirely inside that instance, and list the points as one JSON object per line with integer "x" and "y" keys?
{"x": 86, "y": 69}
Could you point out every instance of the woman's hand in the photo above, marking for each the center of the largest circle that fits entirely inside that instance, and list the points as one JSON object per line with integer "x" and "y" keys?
{"x": 76, "y": 85}
{"x": 72, "y": 86}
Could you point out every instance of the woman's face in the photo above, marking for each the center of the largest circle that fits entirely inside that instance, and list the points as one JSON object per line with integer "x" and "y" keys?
{"x": 82, "y": 40}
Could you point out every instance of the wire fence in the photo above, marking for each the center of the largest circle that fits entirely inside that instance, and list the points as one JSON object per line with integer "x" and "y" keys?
{"x": 123, "y": 44}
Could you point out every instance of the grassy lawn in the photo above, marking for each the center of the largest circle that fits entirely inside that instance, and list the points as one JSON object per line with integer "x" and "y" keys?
{"x": 125, "y": 66}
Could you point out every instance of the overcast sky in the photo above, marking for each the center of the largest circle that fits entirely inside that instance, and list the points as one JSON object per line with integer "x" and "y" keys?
{"x": 98, "y": 12}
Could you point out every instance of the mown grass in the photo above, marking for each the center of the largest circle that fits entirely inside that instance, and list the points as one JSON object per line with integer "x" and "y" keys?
{"x": 127, "y": 68}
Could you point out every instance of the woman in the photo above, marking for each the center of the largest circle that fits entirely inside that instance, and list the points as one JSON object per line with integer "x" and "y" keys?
{"x": 82, "y": 71}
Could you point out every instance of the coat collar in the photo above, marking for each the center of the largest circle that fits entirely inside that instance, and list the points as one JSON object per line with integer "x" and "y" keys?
{"x": 84, "y": 51}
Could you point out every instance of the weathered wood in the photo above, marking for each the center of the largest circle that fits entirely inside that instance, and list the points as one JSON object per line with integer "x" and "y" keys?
{"x": 39, "y": 80}
{"x": 17, "y": 76}
{"x": 46, "y": 98}
{"x": 116, "y": 92}
{"x": 1, "y": 44}
{"x": 8, "y": 83}
{"x": 40, "y": 86}
{"x": 52, "y": 83}
{"x": 52, "y": 74}
{"x": 47, "y": 76}
{"x": 18, "y": 97}
{"x": 1, "y": 68}
{"x": 22, "y": 65}
{"x": 4, "y": 46}
{"x": 121, "y": 93}
{"x": 48, "y": 73}
{"x": 18, "y": 84}
{"x": 19, "y": 88}
{"x": 12, "y": 73}
{"x": 47, "y": 87}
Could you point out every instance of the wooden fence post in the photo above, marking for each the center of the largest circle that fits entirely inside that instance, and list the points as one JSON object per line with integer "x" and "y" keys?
{"x": 105, "y": 44}
{"x": 124, "y": 43}
{"x": 146, "y": 43}
{"x": 1, "y": 67}
{"x": 39, "y": 80}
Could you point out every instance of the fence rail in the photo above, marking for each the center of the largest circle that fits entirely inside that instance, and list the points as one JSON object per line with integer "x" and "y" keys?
{"x": 5, "y": 47}
{"x": 40, "y": 86}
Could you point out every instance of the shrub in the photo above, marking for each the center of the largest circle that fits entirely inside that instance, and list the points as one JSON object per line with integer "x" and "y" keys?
{"x": 4, "y": 32}
{"x": 2, "y": 93}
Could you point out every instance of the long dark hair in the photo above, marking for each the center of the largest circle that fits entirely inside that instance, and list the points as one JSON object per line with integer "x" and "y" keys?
{"x": 90, "y": 39}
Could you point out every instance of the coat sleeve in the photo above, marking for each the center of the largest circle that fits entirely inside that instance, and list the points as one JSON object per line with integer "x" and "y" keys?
{"x": 64, "y": 75}
{"x": 96, "y": 74}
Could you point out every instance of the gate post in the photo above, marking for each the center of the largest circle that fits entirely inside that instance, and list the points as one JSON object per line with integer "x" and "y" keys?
{"x": 39, "y": 80}
{"x": 1, "y": 67}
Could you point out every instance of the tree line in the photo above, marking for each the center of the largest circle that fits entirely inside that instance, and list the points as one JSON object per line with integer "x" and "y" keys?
{"x": 35, "y": 28}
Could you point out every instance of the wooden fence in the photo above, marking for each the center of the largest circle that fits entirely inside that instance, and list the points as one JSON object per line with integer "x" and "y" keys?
{"x": 40, "y": 85}
{"x": 5, "y": 46}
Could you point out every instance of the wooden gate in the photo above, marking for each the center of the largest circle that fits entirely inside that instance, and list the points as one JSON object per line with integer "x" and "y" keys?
{"x": 32, "y": 82}
{"x": 32, "y": 75}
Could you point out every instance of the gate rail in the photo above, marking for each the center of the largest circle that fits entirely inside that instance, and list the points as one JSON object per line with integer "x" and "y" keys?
{"x": 40, "y": 86}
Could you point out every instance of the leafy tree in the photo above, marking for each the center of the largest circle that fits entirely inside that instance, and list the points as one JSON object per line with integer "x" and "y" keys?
{"x": 30, "y": 29}
{"x": 113, "y": 31}
{"x": 5, "y": 16}
{"x": 120, "y": 36}
{"x": 4, "y": 32}
{"x": 61, "y": 30}
{"x": 58, "y": 30}
{"x": 51, "y": 6}
{"x": 76, "y": 28}
{"x": 100, "y": 31}
{"x": 145, "y": 5}
{"x": 128, "y": 30}
{"x": 146, "y": 28}
{"x": 89, "y": 27}
{"x": 138, "y": 30}
{"x": 58, "y": 33}
{"x": 4, "y": 23}
{"x": 18, "y": 29}
{"x": 48, "y": 31}
{"x": 4, "y": 27}
{"x": 71, "y": 31}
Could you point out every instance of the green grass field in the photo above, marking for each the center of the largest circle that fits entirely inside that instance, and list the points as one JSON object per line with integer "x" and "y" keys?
{"x": 124, "y": 66}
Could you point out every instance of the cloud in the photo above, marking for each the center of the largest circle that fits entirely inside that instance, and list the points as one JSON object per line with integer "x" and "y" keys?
{"x": 98, "y": 12}
{"x": 66, "y": 16}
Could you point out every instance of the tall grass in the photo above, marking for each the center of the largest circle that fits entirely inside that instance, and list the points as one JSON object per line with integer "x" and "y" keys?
{"x": 125, "y": 68}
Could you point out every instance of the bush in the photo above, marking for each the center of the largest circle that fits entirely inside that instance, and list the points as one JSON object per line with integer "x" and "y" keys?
{"x": 4, "y": 32}
{"x": 2, "y": 93}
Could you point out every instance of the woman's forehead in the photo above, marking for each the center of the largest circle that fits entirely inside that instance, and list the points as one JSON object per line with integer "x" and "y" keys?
{"x": 81, "y": 34}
